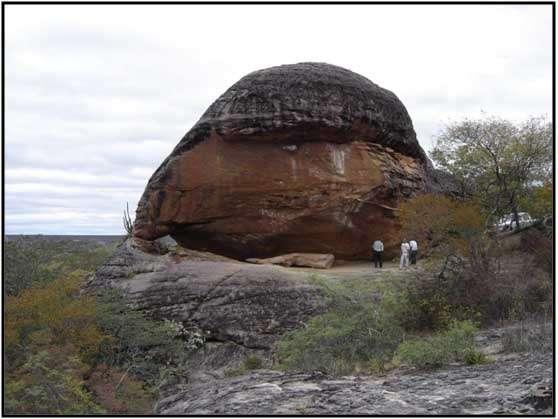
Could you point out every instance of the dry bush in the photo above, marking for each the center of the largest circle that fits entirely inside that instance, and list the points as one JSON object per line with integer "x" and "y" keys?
{"x": 118, "y": 392}
{"x": 478, "y": 277}
{"x": 512, "y": 287}
{"x": 538, "y": 242}
{"x": 517, "y": 288}
{"x": 532, "y": 335}
{"x": 439, "y": 221}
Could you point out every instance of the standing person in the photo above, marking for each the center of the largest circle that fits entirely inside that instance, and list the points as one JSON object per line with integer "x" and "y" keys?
{"x": 414, "y": 250}
{"x": 377, "y": 251}
{"x": 405, "y": 248}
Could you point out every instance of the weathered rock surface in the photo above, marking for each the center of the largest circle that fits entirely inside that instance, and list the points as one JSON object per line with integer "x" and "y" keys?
{"x": 307, "y": 157}
{"x": 514, "y": 384}
{"x": 248, "y": 305}
{"x": 311, "y": 260}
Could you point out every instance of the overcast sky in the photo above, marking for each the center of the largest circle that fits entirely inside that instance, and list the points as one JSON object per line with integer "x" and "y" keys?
{"x": 97, "y": 96}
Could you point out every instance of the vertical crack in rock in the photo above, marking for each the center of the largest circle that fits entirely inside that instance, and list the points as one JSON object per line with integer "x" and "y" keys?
{"x": 208, "y": 294}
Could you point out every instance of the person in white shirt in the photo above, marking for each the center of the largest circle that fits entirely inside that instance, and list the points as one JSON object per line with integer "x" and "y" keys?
{"x": 414, "y": 250}
{"x": 405, "y": 249}
{"x": 377, "y": 252}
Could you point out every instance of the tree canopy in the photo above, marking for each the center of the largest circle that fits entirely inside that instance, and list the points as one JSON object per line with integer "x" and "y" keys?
{"x": 497, "y": 162}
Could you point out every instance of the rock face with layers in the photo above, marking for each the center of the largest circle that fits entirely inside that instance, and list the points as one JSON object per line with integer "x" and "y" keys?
{"x": 308, "y": 157}
{"x": 232, "y": 302}
{"x": 518, "y": 385}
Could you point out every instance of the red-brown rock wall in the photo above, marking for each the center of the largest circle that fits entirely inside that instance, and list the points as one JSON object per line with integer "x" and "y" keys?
{"x": 244, "y": 200}
{"x": 305, "y": 158}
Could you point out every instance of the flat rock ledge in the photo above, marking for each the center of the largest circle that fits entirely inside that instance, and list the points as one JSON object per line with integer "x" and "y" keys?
{"x": 231, "y": 302}
{"x": 512, "y": 384}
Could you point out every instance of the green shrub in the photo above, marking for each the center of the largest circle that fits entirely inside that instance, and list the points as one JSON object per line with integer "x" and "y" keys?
{"x": 253, "y": 363}
{"x": 55, "y": 337}
{"x": 427, "y": 306}
{"x": 454, "y": 345}
{"x": 358, "y": 331}
{"x": 49, "y": 383}
{"x": 141, "y": 345}
{"x": 30, "y": 261}
{"x": 474, "y": 358}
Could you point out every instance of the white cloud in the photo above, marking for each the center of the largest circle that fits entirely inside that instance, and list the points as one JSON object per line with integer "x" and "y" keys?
{"x": 98, "y": 95}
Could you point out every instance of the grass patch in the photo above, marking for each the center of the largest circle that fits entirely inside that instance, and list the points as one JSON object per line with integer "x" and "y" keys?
{"x": 367, "y": 324}
{"x": 453, "y": 345}
{"x": 358, "y": 333}
{"x": 252, "y": 362}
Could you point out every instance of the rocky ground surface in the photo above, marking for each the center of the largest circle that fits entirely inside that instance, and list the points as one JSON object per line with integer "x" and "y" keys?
{"x": 231, "y": 302}
{"x": 243, "y": 309}
{"x": 508, "y": 384}
{"x": 348, "y": 270}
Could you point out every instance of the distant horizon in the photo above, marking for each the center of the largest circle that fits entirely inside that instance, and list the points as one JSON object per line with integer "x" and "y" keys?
{"x": 65, "y": 234}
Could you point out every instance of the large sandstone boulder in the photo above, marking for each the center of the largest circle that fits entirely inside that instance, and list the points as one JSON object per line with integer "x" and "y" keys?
{"x": 231, "y": 302}
{"x": 307, "y": 157}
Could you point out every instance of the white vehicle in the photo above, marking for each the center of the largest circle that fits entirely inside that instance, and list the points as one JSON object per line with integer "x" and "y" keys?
{"x": 505, "y": 223}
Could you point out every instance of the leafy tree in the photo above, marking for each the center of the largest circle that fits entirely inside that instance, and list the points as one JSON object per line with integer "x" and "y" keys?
{"x": 439, "y": 220}
{"x": 496, "y": 161}
{"x": 538, "y": 201}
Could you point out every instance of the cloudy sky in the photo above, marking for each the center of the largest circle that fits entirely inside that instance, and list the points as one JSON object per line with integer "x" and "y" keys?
{"x": 97, "y": 96}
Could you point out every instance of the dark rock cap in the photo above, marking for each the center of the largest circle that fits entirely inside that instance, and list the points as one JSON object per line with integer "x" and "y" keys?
{"x": 305, "y": 102}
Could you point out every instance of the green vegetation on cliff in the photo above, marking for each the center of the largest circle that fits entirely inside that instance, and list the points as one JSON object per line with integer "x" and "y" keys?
{"x": 35, "y": 259}
{"x": 426, "y": 318}
{"x": 66, "y": 352}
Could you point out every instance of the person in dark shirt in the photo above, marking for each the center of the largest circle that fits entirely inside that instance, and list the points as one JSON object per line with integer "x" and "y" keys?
{"x": 377, "y": 252}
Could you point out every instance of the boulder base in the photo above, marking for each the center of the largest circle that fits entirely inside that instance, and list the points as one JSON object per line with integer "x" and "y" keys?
{"x": 310, "y": 260}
